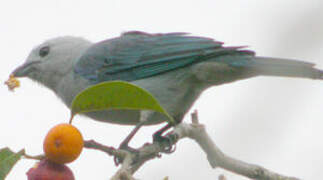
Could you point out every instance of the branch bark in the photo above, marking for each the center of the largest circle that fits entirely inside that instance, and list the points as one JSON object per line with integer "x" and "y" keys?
{"x": 133, "y": 161}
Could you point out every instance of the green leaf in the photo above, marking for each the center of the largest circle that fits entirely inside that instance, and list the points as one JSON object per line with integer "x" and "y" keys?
{"x": 115, "y": 95}
{"x": 8, "y": 159}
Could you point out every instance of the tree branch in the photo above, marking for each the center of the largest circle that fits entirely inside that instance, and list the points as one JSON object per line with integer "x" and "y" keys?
{"x": 217, "y": 158}
{"x": 132, "y": 161}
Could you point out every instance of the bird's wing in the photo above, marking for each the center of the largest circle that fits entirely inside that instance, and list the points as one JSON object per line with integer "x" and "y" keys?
{"x": 136, "y": 55}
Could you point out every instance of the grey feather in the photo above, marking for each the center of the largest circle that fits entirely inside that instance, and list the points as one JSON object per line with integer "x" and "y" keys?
{"x": 175, "y": 67}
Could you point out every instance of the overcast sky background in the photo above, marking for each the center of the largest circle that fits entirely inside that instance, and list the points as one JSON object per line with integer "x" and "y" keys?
{"x": 273, "y": 122}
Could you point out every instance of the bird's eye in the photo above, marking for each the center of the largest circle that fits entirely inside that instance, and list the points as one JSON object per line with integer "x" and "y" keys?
{"x": 44, "y": 51}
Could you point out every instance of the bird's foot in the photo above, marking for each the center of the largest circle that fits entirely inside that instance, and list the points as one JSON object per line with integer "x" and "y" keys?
{"x": 168, "y": 142}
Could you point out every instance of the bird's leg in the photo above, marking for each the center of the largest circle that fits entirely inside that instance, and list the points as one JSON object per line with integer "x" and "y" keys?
{"x": 170, "y": 140}
{"x": 158, "y": 137}
{"x": 158, "y": 134}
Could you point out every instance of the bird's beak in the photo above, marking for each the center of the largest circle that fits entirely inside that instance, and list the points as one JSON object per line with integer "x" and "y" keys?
{"x": 25, "y": 69}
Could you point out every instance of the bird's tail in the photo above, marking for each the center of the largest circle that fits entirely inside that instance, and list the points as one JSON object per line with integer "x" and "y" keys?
{"x": 283, "y": 67}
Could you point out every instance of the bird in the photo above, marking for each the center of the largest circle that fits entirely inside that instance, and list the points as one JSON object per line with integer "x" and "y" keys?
{"x": 176, "y": 68}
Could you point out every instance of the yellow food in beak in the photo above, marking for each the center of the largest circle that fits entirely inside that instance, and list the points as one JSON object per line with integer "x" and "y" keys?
{"x": 12, "y": 82}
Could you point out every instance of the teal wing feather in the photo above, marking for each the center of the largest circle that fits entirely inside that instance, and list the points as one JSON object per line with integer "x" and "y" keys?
{"x": 136, "y": 55}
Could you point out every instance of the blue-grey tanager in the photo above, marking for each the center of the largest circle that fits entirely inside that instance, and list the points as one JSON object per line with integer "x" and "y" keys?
{"x": 175, "y": 67}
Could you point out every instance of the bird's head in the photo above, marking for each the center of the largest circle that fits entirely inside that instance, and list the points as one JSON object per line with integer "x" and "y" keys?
{"x": 48, "y": 62}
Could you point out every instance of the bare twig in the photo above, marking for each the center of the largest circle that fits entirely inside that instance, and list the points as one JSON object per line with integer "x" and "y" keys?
{"x": 91, "y": 144}
{"x": 217, "y": 158}
{"x": 133, "y": 161}
{"x": 124, "y": 173}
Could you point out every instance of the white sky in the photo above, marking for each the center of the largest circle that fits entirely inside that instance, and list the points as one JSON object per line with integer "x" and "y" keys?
{"x": 273, "y": 122}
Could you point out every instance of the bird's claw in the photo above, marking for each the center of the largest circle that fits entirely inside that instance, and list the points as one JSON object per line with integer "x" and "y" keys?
{"x": 169, "y": 142}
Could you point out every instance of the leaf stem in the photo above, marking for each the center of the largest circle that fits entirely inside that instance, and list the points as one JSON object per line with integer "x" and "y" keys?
{"x": 38, "y": 157}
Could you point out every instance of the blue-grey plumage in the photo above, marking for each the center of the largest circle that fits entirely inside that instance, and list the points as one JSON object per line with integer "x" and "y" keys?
{"x": 137, "y": 55}
{"x": 175, "y": 67}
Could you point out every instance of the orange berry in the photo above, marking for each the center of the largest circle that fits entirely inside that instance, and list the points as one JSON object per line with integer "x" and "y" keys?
{"x": 63, "y": 143}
